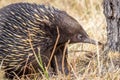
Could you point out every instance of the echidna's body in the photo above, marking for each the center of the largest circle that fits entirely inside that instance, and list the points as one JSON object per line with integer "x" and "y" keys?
{"x": 23, "y": 23}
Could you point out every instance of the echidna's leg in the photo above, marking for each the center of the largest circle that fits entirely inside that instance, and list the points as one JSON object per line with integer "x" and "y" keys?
{"x": 58, "y": 64}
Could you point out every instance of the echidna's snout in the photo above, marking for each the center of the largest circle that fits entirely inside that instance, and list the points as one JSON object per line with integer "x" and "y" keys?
{"x": 91, "y": 41}
{"x": 82, "y": 37}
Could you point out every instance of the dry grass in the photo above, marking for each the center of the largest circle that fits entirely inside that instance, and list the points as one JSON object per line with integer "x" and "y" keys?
{"x": 89, "y": 62}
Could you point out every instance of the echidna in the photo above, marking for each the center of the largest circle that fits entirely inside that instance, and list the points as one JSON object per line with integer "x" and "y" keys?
{"x": 22, "y": 23}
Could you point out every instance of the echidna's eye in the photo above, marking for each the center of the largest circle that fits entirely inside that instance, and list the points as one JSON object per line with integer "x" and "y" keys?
{"x": 79, "y": 36}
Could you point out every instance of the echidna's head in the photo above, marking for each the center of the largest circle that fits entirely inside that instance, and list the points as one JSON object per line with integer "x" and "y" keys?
{"x": 71, "y": 30}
